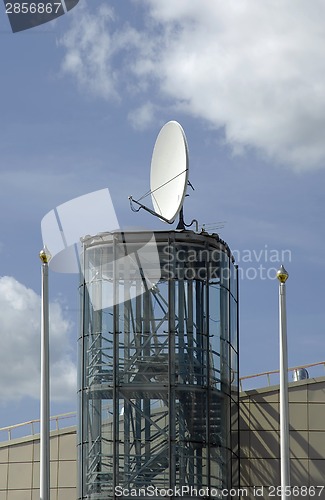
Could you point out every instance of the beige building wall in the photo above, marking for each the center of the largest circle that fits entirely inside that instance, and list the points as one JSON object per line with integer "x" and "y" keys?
{"x": 20, "y": 470}
{"x": 259, "y": 439}
{"x": 259, "y": 444}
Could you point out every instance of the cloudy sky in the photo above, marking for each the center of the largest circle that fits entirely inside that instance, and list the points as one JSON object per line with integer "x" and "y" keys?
{"x": 82, "y": 100}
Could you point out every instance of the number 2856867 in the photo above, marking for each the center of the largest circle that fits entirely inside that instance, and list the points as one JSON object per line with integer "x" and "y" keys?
{"x": 33, "y": 8}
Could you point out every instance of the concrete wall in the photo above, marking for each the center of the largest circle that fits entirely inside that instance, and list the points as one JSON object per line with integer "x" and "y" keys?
{"x": 259, "y": 435}
{"x": 20, "y": 471}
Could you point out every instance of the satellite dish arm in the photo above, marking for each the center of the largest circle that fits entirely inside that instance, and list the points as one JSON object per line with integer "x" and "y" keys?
{"x": 147, "y": 209}
{"x": 181, "y": 223}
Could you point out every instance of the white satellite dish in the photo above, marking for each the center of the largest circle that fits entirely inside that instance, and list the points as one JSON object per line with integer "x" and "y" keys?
{"x": 169, "y": 174}
{"x": 169, "y": 171}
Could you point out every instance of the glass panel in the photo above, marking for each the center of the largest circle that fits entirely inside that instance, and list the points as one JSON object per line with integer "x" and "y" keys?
{"x": 143, "y": 440}
{"x": 233, "y": 324}
{"x": 235, "y": 472}
{"x": 233, "y": 280}
{"x": 216, "y": 466}
{"x": 191, "y": 436}
{"x": 224, "y": 314}
{"x": 234, "y": 373}
{"x": 225, "y": 271}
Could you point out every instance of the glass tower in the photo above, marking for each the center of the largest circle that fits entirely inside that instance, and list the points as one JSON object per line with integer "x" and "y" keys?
{"x": 158, "y": 366}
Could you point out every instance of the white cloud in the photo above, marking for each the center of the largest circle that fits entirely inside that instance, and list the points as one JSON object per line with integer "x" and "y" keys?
{"x": 143, "y": 116}
{"x": 253, "y": 69}
{"x": 89, "y": 52}
{"x": 20, "y": 345}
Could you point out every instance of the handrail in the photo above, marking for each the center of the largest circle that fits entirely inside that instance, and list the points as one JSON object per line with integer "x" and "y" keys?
{"x": 274, "y": 372}
{"x": 32, "y": 423}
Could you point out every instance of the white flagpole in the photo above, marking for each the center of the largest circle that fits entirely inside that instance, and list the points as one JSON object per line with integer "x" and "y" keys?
{"x": 282, "y": 276}
{"x": 45, "y": 382}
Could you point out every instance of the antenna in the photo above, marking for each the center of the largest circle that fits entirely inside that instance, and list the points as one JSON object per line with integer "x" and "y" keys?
{"x": 169, "y": 174}
{"x": 213, "y": 226}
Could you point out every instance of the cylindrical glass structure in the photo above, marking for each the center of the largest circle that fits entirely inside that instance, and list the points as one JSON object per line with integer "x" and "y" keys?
{"x": 158, "y": 366}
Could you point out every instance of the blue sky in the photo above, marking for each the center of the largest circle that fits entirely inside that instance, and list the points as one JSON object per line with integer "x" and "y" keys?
{"x": 82, "y": 100}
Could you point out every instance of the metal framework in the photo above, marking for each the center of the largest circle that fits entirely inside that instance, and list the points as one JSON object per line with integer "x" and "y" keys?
{"x": 158, "y": 381}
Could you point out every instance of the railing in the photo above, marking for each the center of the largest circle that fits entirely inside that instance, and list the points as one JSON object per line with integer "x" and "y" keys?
{"x": 31, "y": 427}
{"x": 272, "y": 377}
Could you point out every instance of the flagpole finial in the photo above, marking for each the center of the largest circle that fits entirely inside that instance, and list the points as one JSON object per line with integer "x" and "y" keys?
{"x": 45, "y": 255}
{"x": 282, "y": 275}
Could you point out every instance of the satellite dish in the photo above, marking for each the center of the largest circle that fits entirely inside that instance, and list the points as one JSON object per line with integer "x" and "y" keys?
{"x": 169, "y": 176}
{"x": 169, "y": 171}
